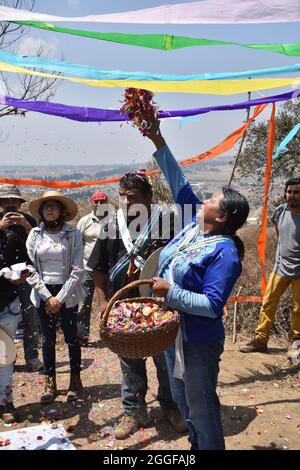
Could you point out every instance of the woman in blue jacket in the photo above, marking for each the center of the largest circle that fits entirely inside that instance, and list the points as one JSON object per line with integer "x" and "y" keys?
{"x": 198, "y": 270}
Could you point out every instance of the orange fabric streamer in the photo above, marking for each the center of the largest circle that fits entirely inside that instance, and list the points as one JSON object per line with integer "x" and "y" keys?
{"x": 246, "y": 298}
{"x": 56, "y": 184}
{"x": 261, "y": 246}
{"x": 227, "y": 143}
{"x": 219, "y": 149}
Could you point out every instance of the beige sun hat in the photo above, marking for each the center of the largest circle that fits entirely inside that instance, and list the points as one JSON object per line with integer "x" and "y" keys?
{"x": 70, "y": 206}
{"x": 7, "y": 349}
{"x": 9, "y": 191}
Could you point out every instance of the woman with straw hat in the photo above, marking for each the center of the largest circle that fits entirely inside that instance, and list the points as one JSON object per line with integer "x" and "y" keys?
{"x": 55, "y": 250}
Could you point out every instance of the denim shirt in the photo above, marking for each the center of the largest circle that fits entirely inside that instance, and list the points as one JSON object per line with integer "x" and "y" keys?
{"x": 202, "y": 280}
{"x": 72, "y": 291}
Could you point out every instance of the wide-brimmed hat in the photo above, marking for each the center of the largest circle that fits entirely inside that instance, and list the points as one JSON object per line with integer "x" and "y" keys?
{"x": 7, "y": 349}
{"x": 70, "y": 206}
{"x": 8, "y": 191}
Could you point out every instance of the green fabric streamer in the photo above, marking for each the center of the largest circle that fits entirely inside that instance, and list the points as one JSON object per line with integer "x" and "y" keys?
{"x": 166, "y": 42}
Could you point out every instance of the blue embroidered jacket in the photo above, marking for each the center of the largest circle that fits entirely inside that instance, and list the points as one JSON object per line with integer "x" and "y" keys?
{"x": 203, "y": 279}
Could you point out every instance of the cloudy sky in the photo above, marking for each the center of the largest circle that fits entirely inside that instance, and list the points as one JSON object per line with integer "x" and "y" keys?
{"x": 42, "y": 140}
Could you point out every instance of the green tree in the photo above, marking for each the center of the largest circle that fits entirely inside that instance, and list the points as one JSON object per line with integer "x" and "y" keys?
{"x": 253, "y": 158}
{"x": 161, "y": 191}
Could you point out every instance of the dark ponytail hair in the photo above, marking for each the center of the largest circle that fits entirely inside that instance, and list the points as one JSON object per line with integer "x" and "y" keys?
{"x": 236, "y": 206}
{"x": 239, "y": 246}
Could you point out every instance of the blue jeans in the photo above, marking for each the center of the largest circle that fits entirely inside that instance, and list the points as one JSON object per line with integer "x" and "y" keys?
{"x": 9, "y": 320}
{"x": 135, "y": 384}
{"x": 196, "y": 396}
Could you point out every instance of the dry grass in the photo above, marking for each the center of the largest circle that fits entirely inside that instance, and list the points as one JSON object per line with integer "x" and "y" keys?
{"x": 250, "y": 280}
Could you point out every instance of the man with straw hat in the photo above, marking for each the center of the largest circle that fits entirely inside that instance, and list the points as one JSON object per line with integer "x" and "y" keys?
{"x": 19, "y": 223}
{"x": 55, "y": 250}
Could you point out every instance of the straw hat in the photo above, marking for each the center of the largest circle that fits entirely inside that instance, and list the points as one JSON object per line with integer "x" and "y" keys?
{"x": 70, "y": 206}
{"x": 8, "y": 191}
{"x": 7, "y": 349}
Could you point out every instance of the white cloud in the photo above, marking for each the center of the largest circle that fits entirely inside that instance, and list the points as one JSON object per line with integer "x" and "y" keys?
{"x": 30, "y": 46}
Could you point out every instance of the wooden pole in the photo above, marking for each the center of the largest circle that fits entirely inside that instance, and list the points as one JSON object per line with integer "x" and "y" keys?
{"x": 241, "y": 144}
{"x": 235, "y": 316}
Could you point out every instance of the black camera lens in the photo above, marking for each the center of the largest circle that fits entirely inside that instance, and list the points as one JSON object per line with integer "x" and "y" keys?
{"x": 11, "y": 209}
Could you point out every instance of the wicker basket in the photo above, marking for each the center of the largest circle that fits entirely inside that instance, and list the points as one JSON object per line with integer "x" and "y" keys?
{"x": 137, "y": 344}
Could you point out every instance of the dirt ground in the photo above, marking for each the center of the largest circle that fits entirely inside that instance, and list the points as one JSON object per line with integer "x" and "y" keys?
{"x": 260, "y": 396}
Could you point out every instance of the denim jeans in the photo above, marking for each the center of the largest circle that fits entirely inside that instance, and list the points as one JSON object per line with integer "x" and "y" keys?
{"x": 9, "y": 320}
{"x": 84, "y": 310}
{"x": 68, "y": 321}
{"x": 196, "y": 396}
{"x": 135, "y": 384}
{"x": 31, "y": 323}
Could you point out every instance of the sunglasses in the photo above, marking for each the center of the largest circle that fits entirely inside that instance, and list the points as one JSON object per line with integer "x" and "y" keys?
{"x": 50, "y": 205}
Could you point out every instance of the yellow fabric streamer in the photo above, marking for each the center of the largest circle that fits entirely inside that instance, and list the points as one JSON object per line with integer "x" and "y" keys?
{"x": 212, "y": 87}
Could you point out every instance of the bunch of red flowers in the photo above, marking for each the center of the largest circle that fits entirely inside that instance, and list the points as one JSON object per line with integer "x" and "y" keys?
{"x": 139, "y": 107}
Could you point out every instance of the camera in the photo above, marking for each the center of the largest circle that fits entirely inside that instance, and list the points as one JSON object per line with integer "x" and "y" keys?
{"x": 11, "y": 209}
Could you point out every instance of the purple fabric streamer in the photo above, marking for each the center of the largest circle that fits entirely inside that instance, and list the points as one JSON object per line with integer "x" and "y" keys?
{"x": 78, "y": 113}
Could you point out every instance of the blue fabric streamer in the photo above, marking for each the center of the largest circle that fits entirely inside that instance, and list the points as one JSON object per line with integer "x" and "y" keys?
{"x": 286, "y": 140}
{"x": 99, "y": 74}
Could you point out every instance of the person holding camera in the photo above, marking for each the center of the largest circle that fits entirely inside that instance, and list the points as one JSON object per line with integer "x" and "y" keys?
{"x": 12, "y": 251}
{"x": 17, "y": 222}
{"x": 89, "y": 226}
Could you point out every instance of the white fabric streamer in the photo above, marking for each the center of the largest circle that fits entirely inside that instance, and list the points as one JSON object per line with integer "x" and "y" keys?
{"x": 201, "y": 12}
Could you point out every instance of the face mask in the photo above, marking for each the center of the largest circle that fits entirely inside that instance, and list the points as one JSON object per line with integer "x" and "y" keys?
{"x": 99, "y": 212}
{"x": 54, "y": 223}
